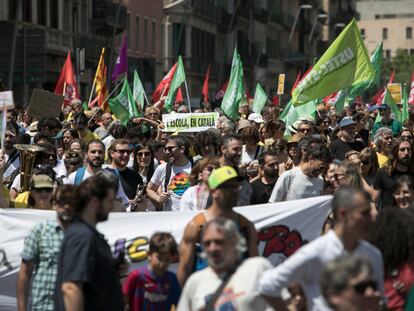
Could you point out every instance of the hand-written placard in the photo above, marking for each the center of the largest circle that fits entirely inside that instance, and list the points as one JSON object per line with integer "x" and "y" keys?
{"x": 189, "y": 122}
{"x": 44, "y": 104}
{"x": 6, "y": 99}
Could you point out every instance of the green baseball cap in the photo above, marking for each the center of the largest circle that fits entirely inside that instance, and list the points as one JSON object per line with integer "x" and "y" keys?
{"x": 220, "y": 175}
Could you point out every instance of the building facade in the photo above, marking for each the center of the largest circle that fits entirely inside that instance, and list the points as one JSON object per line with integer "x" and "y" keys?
{"x": 46, "y": 31}
{"x": 391, "y": 22}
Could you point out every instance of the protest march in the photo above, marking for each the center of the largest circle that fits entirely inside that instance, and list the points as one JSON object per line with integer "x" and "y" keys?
{"x": 125, "y": 200}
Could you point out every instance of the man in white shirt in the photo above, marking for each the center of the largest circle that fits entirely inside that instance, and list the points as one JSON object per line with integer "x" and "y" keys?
{"x": 303, "y": 181}
{"x": 173, "y": 177}
{"x": 95, "y": 153}
{"x": 353, "y": 219}
{"x": 224, "y": 248}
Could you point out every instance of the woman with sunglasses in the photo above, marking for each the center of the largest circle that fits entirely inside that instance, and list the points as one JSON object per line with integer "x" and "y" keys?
{"x": 369, "y": 164}
{"x": 41, "y": 192}
{"x": 145, "y": 164}
{"x": 393, "y": 235}
{"x": 195, "y": 198}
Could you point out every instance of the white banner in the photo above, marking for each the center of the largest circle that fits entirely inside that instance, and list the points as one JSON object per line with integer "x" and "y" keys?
{"x": 282, "y": 228}
{"x": 189, "y": 122}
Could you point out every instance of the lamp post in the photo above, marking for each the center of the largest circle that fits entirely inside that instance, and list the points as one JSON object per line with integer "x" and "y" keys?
{"x": 301, "y": 7}
{"x": 319, "y": 16}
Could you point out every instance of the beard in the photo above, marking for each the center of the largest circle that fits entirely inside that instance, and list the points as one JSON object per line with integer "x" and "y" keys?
{"x": 96, "y": 162}
{"x": 101, "y": 215}
{"x": 271, "y": 173}
{"x": 64, "y": 217}
{"x": 405, "y": 161}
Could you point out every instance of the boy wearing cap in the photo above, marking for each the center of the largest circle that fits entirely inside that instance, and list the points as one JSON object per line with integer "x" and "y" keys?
{"x": 346, "y": 141}
{"x": 224, "y": 184}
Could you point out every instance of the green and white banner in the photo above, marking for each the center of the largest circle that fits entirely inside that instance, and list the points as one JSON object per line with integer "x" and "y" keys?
{"x": 189, "y": 122}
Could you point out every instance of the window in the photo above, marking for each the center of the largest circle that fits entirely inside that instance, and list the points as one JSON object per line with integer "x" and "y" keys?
{"x": 388, "y": 54}
{"x": 154, "y": 35}
{"x": 162, "y": 40}
{"x": 27, "y": 10}
{"x": 54, "y": 14}
{"x": 384, "y": 33}
{"x": 145, "y": 35}
{"x": 41, "y": 12}
{"x": 75, "y": 20}
{"x": 408, "y": 33}
{"x": 137, "y": 38}
{"x": 411, "y": 51}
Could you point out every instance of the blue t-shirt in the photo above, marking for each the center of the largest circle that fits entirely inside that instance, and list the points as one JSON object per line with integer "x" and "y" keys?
{"x": 148, "y": 292}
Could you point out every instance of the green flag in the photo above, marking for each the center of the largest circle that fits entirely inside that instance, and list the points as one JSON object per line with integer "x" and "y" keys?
{"x": 388, "y": 100}
{"x": 123, "y": 106}
{"x": 345, "y": 63}
{"x": 291, "y": 114}
{"x": 404, "y": 113}
{"x": 376, "y": 61}
{"x": 138, "y": 92}
{"x": 178, "y": 79}
{"x": 235, "y": 91}
{"x": 260, "y": 99}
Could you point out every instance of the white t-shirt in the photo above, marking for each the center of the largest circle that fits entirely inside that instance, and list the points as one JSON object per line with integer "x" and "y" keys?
{"x": 179, "y": 182}
{"x": 294, "y": 185}
{"x": 70, "y": 180}
{"x": 12, "y": 167}
{"x": 306, "y": 264}
{"x": 247, "y": 157}
{"x": 240, "y": 293}
{"x": 194, "y": 199}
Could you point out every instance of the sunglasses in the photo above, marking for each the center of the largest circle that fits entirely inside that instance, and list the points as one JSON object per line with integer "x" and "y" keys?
{"x": 304, "y": 130}
{"x": 47, "y": 190}
{"x": 362, "y": 286}
{"x": 144, "y": 153}
{"x": 127, "y": 151}
{"x": 169, "y": 149}
{"x": 365, "y": 162}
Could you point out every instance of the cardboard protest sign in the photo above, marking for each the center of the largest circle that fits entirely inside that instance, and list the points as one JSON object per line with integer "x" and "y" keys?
{"x": 44, "y": 104}
{"x": 189, "y": 122}
{"x": 6, "y": 99}
{"x": 395, "y": 90}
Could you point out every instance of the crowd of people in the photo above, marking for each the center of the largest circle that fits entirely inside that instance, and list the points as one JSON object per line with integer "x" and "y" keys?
{"x": 87, "y": 164}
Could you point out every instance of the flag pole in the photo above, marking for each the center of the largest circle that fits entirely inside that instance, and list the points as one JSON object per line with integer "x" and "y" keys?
{"x": 146, "y": 99}
{"x": 188, "y": 95}
{"x": 106, "y": 99}
{"x": 64, "y": 89}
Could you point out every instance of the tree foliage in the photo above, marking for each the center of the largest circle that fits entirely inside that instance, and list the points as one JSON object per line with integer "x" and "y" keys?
{"x": 403, "y": 63}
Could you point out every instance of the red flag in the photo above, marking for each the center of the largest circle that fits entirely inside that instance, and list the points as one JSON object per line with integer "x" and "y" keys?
{"x": 378, "y": 98}
{"x": 330, "y": 99}
{"x": 296, "y": 82}
{"x": 179, "y": 96}
{"x": 275, "y": 100}
{"x": 220, "y": 94}
{"x": 411, "y": 98}
{"x": 248, "y": 97}
{"x": 66, "y": 84}
{"x": 204, "y": 90}
{"x": 164, "y": 86}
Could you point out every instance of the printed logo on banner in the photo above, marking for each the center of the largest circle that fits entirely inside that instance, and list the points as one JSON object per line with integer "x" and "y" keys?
{"x": 279, "y": 240}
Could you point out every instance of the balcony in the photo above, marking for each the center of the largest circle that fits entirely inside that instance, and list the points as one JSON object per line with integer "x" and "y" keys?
{"x": 206, "y": 10}
{"x": 283, "y": 19}
{"x": 104, "y": 17}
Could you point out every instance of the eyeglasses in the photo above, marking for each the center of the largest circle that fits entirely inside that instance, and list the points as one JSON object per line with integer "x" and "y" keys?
{"x": 152, "y": 114}
{"x": 144, "y": 153}
{"x": 408, "y": 137}
{"x": 127, "y": 151}
{"x": 362, "y": 286}
{"x": 47, "y": 190}
{"x": 170, "y": 148}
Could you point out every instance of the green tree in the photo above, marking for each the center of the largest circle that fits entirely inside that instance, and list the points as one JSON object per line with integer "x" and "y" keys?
{"x": 403, "y": 63}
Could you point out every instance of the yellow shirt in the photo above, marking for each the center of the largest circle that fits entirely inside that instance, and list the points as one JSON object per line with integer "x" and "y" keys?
{"x": 87, "y": 136}
{"x": 382, "y": 159}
